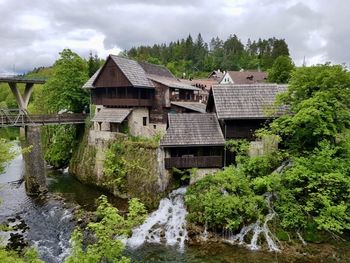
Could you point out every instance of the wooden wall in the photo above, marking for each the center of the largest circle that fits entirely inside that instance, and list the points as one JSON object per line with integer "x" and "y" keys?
{"x": 242, "y": 129}
{"x": 111, "y": 76}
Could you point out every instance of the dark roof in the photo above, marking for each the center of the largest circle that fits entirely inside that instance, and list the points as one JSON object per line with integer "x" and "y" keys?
{"x": 193, "y": 129}
{"x": 194, "y": 106}
{"x": 158, "y": 70}
{"x": 141, "y": 74}
{"x": 111, "y": 115}
{"x": 133, "y": 72}
{"x": 247, "y": 77}
{"x": 90, "y": 82}
{"x": 246, "y": 101}
{"x": 171, "y": 82}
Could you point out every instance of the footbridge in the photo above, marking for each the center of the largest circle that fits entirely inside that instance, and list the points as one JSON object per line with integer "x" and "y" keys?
{"x": 21, "y": 118}
{"x": 35, "y": 172}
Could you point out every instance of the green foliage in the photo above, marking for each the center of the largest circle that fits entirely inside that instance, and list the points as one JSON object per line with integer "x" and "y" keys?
{"x": 5, "y": 153}
{"x": 130, "y": 168}
{"x": 109, "y": 227}
{"x": 239, "y": 147}
{"x": 261, "y": 165}
{"x": 63, "y": 90}
{"x": 94, "y": 63}
{"x": 319, "y": 185}
{"x": 29, "y": 256}
{"x": 225, "y": 199}
{"x": 114, "y": 167}
{"x": 281, "y": 70}
{"x": 194, "y": 58}
{"x": 59, "y": 142}
{"x": 318, "y": 98}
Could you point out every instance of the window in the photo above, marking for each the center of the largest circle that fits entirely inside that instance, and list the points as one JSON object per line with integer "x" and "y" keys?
{"x": 144, "y": 120}
{"x": 154, "y": 126}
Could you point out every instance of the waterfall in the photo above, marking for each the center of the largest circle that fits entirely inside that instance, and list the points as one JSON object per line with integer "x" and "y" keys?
{"x": 256, "y": 229}
{"x": 165, "y": 225}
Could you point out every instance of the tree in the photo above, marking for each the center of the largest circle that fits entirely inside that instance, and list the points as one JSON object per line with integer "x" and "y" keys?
{"x": 5, "y": 153}
{"x": 109, "y": 227}
{"x": 318, "y": 99}
{"x": 94, "y": 64}
{"x": 281, "y": 70}
{"x": 64, "y": 89}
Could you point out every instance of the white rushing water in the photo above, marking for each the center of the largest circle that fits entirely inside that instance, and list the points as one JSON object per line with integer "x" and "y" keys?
{"x": 256, "y": 229}
{"x": 165, "y": 225}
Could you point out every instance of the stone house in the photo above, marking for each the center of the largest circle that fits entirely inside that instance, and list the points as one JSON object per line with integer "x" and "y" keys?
{"x": 137, "y": 97}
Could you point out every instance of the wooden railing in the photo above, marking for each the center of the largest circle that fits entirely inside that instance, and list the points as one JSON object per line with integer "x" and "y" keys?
{"x": 34, "y": 120}
{"x": 194, "y": 162}
{"x": 122, "y": 102}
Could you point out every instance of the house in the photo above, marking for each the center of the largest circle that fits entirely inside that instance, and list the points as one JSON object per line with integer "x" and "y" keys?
{"x": 216, "y": 75}
{"x": 204, "y": 85}
{"x": 137, "y": 97}
{"x": 193, "y": 140}
{"x": 243, "y": 77}
{"x": 242, "y": 109}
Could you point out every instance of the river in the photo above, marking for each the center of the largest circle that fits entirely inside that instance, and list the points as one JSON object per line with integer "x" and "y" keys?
{"x": 47, "y": 224}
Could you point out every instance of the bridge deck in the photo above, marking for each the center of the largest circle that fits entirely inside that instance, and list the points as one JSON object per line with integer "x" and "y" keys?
{"x": 18, "y": 120}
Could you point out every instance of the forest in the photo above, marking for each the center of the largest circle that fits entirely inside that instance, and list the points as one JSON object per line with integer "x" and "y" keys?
{"x": 196, "y": 58}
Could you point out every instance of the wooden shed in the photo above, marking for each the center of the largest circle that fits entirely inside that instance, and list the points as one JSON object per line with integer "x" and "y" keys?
{"x": 242, "y": 109}
{"x": 193, "y": 140}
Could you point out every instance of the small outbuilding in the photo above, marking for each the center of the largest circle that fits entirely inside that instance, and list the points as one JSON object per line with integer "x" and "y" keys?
{"x": 242, "y": 109}
{"x": 193, "y": 140}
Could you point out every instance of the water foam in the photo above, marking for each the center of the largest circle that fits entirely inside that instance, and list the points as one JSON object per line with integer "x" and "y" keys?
{"x": 165, "y": 225}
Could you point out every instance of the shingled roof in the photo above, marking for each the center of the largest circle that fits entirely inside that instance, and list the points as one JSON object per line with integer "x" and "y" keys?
{"x": 172, "y": 82}
{"x": 194, "y": 106}
{"x": 133, "y": 71}
{"x": 141, "y": 74}
{"x": 247, "y": 77}
{"x": 246, "y": 101}
{"x": 90, "y": 82}
{"x": 158, "y": 70}
{"x": 193, "y": 129}
{"x": 111, "y": 115}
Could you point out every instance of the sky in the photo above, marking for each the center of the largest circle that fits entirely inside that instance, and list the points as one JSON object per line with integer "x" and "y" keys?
{"x": 32, "y": 33}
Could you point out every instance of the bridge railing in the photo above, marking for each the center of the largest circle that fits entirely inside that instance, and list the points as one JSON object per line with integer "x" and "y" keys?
{"x": 22, "y": 118}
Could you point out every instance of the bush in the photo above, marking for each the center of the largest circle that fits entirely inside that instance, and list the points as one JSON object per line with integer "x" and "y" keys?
{"x": 224, "y": 200}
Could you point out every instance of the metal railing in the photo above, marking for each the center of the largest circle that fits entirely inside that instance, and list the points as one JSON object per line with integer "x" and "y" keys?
{"x": 18, "y": 118}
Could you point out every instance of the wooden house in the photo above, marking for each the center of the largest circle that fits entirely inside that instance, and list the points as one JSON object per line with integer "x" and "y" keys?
{"x": 242, "y": 109}
{"x": 243, "y": 77}
{"x": 137, "y": 95}
{"x": 193, "y": 140}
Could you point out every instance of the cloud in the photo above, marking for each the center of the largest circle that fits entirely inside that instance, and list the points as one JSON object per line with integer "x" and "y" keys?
{"x": 33, "y": 32}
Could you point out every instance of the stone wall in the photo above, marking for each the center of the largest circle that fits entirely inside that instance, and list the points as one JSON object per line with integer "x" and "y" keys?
{"x": 136, "y": 127}
{"x": 200, "y": 173}
{"x": 88, "y": 160}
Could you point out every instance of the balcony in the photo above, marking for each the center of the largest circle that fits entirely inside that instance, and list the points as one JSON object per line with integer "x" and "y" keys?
{"x": 194, "y": 162}
{"x": 122, "y": 102}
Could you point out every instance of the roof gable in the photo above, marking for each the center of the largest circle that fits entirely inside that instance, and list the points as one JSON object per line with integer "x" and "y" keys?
{"x": 133, "y": 72}
{"x": 245, "y": 77}
{"x": 110, "y": 75}
{"x": 193, "y": 129}
{"x": 246, "y": 101}
{"x": 89, "y": 83}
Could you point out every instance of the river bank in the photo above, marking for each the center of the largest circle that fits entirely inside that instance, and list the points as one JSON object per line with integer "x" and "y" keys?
{"x": 50, "y": 222}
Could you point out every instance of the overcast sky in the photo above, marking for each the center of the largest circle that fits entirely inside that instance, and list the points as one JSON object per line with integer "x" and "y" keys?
{"x": 33, "y": 32}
